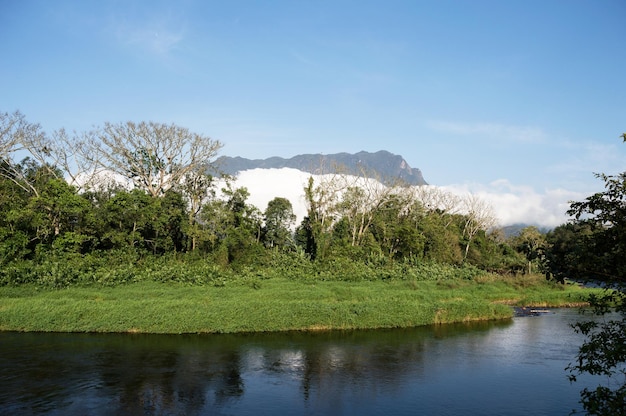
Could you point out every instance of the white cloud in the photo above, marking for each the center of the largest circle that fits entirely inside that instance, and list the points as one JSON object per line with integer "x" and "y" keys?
{"x": 267, "y": 184}
{"x": 515, "y": 204}
{"x": 512, "y": 204}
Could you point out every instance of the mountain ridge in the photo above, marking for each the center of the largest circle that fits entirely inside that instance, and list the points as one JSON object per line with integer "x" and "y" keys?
{"x": 382, "y": 165}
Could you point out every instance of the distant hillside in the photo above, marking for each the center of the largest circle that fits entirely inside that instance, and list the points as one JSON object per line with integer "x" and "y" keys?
{"x": 515, "y": 229}
{"x": 380, "y": 165}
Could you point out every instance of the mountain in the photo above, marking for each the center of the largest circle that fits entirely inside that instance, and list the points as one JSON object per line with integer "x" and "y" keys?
{"x": 381, "y": 165}
{"x": 515, "y": 229}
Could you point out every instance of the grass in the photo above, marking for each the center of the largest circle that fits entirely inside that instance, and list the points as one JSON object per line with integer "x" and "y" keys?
{"x": 275, "y": 304}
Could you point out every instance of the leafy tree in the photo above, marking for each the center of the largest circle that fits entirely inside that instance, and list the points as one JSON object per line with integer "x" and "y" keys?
{"x": 567, "y": 253}
{"x": 441, "y": 238}
{"x": 607, "y": 212}
{"x": 530, "y": 242}
{"x": 278, "y": 218}
{"x": 197, "y": 188}
{"x": 215, "y": 220}
{"x": 321, "y": 201}
{"x": 129, "y": 219}
{"x": 57, "y": 209}
{"x": 232, "y": 227}
{"x": 304, "y": 237}
{"x": 397, "y": 226}
{"x": 169, "y": 225}
{"x": 604, "y": 350}
{"x": 14, "y": 229}
{"x": 243, "y": 237}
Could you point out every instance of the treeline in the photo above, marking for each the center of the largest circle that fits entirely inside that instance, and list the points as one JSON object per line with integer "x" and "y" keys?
{"x": 138, "y": 193}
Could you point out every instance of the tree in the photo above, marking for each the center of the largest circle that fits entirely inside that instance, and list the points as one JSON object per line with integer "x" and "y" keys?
{"x": 279, "y": 218}
{"x": 57, "y": 209}
{"x": 439, "y": 201}
{"x": 321, "y": 201}
{"x": 604, "y": 350}
{"x": 529, "y": 242}
{"x": 478, "y": 216}
{"x": 129, "y": 218}
{"x": 360, "y": 199}
{"x": 198, "y": 188}
{"x": 19, "y": 137}
{"x": 567, "y": 253}
{"x": 155, "y": 156}
{"x": 244, "y": 233}
{"x": 15, "y": 229}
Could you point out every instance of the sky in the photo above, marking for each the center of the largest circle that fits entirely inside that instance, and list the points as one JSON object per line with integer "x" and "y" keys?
{"x": 518, "y": 101}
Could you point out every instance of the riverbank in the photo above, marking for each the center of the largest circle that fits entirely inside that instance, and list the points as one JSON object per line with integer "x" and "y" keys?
{"x": 257, "y": 305}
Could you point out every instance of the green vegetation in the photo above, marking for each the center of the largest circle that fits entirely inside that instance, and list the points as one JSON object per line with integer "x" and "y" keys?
{"x": 181, "y": 250}
{"x": 593, "y": 247}
{"x": 258, "y": 303}
{"x": 62, "y": 214}
{"x": 171, "y": 246}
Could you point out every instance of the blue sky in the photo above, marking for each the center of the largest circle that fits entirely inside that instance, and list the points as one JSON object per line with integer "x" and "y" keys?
{"x": 498, "y": 95}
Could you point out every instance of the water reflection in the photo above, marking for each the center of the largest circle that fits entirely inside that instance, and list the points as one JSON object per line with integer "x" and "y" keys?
{"x": 428, "y": 370}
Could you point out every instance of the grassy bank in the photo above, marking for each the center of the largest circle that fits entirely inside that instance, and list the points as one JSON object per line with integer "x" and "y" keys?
{"x": 275, "y": 304}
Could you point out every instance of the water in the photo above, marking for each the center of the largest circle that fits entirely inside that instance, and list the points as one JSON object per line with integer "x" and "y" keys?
{"x": 496, "y": 368}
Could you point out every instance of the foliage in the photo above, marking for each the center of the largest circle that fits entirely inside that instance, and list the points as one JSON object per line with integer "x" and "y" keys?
{"x": 604, "y": 353}
{"x": 570, "y": 248}
{"x": 531, "y": 243}
{"x": 57, "y": 233}
{"x": 278, "y": 218}
{"x": 593, "y": 247}
{"x": 607, "y": 212}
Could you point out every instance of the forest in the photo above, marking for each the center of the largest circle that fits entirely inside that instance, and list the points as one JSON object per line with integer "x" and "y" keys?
{"x": 85, "y": 207}
{"x": 76, "y": 207}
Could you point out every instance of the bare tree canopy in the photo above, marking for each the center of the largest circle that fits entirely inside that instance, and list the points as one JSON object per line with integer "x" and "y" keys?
{"x": 479, "y": 216}
{"x": 154, "y": 156}
{"x": 17, "y": 134}
{"x": 26, "y": 141}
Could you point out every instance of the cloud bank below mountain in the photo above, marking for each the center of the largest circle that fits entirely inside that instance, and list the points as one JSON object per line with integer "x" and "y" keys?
{"x": 512, "y": 204}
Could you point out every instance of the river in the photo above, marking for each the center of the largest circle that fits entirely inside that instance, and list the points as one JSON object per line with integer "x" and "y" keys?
{"x": 512, "y": 367}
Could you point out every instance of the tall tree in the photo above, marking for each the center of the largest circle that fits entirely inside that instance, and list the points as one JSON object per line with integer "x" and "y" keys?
{"x": 479, "y": 216}
{"x": 279, "y": 218}
{"x": 198, "y": 188}
{"x": 604, "y": 350}
{"x": 155, "y": 156}
{"x": 529, "y": 242}
{"x": 321, "y": 201}
{"x": 27, "y": 141}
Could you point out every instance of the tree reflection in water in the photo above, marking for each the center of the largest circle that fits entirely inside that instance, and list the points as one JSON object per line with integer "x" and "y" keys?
{"x": 201, "y": 374}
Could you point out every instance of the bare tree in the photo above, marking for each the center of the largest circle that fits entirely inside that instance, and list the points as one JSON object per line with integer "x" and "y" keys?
{"x": 155, "y": 156}
{"x": 67, "y": 152}
{"x": 479, "y": 215}
{"x": 58, "y": 155}
{"x": 438, "y": 200}
{"x": 12, "y": 128}
{"x": 19, "y": 138}
{"x": 362, "y": 200}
